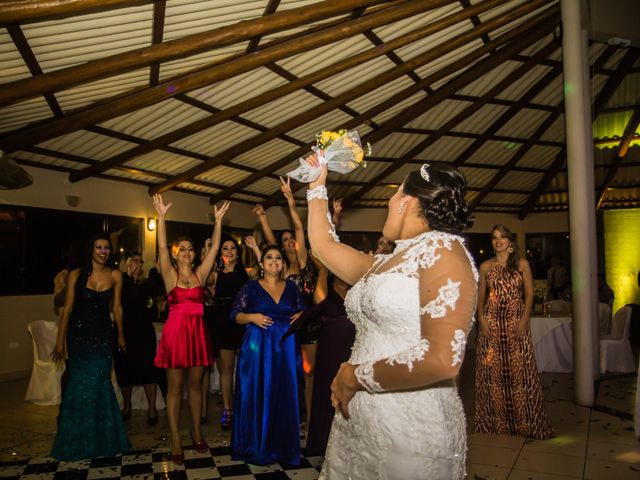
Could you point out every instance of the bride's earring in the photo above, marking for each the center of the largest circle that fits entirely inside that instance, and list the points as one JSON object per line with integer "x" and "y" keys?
{"x": 403, "y": 202}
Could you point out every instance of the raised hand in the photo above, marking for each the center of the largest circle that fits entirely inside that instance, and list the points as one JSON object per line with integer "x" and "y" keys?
{"x": 250, "y": 242}
{"x": 286, "y": 188}
{"x": 337, "y": 206}
{"x": 258, "y": 210}
{"x": 159, "y": 205}
{"x": 218, "y": 213}
{"x": 314, "y": 162}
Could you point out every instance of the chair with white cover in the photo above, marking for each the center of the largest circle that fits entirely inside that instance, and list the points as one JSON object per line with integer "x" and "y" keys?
{"x": 604, "y": 319}
{"x": 44, "y": 386}
{"x": 615, "y": 349}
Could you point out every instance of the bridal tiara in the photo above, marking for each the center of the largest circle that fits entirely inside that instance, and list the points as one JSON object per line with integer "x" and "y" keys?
{"x": 424, "y": 173}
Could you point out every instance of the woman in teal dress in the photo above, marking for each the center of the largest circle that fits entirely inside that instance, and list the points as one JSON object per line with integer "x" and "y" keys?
{"x": 266, "y": 427}
{"x": 90, "y": 423}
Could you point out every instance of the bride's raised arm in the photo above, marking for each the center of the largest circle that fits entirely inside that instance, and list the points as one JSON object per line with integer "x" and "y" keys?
{"x": 344, "y": 261}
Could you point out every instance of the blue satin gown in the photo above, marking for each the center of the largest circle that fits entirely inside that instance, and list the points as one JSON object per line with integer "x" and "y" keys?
{"x": 266, "y": 426}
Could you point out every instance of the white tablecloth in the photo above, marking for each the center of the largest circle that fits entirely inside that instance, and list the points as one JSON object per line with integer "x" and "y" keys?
{"x": 552, "y": 343}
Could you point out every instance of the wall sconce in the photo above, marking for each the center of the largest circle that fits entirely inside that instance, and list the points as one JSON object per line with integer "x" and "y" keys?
{"x": 151, "y": 224}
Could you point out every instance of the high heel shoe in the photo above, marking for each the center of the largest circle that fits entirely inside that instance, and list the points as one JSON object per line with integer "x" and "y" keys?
{"x": 200, "y": 447}
{"x": 177, "y": 458}
{"x": 225, "y": 420}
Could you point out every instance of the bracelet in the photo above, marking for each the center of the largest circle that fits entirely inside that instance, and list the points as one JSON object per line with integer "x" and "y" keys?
{"x": 318, "y": 193}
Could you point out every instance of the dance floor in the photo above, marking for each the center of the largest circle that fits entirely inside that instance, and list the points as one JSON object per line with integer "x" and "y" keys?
{"x": 596, "y": 443}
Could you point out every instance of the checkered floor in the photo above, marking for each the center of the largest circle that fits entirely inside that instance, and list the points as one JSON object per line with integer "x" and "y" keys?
{"x": 157, "y": 465}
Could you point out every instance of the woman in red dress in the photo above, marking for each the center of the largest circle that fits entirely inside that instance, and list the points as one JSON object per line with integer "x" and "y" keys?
{"x": 185, "y": 349}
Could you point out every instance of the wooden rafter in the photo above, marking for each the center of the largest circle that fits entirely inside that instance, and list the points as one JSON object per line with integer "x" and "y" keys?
{"x": 182, "y": 47}
{"x": 24, "y": 11}
{"x": 169, "y": 88}
{"x": 20, "y": 41}
{"x": 270, "y": 9}
{"x": 626, "y": 64}
{"x": 475, "y": 19}
{"x": 496, "y": 138}
{"x": 326, "y": 107}
{"x": 454, "y": 121}
{"x": 159, "y": 10}
{"x": 629, "y": 132}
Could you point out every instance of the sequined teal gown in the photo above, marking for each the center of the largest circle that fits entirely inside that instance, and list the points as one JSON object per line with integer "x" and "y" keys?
{"x": 90, "y": 423}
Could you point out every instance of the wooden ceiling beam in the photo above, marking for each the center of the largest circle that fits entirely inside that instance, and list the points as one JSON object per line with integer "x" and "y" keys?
{"x": 497, "y": 138}
{"x": 605, "y": 94}
{"x": 270, "y": 9}
{"x": 450, "y": 124}
{"x": 503, "y": 102}
{"x": 629, "y": 132}
{"x": 179, "y": 48}
{"x": 549, "y": 16}
{"x": 159, "y": 11}
{"x": 25, "y": 11}
{"x": 121, "y": 105}
{"x": 22, "y": 45}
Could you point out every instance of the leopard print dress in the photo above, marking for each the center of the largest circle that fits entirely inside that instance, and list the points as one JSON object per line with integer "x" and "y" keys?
{"x": 509, "y": 396}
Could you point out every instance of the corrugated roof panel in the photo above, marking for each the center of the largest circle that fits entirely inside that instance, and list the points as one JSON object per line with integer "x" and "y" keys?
{"x": 69, "y": 41}
{"x": 445, "y": 149}
{"x": 151, "y": 122}
{"x": 349, "y": 79}
{"x": 265, "y": 155}
{"x": 517, "y": 89}
{"x": 506, "y": 199}
{"x": 615, "y": 59}
{"x": 278, "y": 111}
{"x": 444, "y": 60}
{"x": 182, "y": 66}
{"x": 442, "y": 37}
{"x": 22, "y": 113}
{"x": 552, "y": 93}
{"x": 398, "y": 108}
{"x": 437, "y": 116}
{"x": 402, "y": 27}
{"x": 627, "y": 93}
{"x": 536, "y": 47}
{"x": 223, "y": 175}
{"x": 482, "y": 119}
{"x": 319, "y": 58}
{"x": 87, "y": 144}
{"x": 290, "y": 167}
{"x": 266, "y": 186}
{"x": 367, "y": 173}
{"x": 384, "y": 192}
{"x": 397, "y": 144}
{"x": 553, "y": 199}
{"x": 163, "y": 162}
{"x": 216, "y": 139}
{"x": 477, "y": 177}
{"x": 523, "y": 181}
{"x": 539, "y": 157}
{"x": 627, "y": 176}
{"x": 239, "y": 88}
{"x": 333, "y": 120}
{"x": 558, "y": 182}
{"x": 595, "y": 50}
{"x": 13, "y": 66}
{"x": 88, "y": 93}
{"x": 246, "y": 198}
{"x": 138, "y": 177}
{"x": 399, "y": 175}
{"x": 187, "y": 17}
{"x": 199, "y": 188}
{"x": 555, "y": 133}
{"x": 493, "y": 152}
{"x": 502, "y": 9}
{"x": 380, "y": 94}
{"x": 486, "y": 82}
{"x": 524, "y": 123}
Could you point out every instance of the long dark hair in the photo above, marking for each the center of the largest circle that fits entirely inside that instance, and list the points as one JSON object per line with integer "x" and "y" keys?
{"x": 440, "y": 189}
{"x": 285, "y": 262}
{"x": 513, "y": 260}
{"x": 86, "y": 267}
{"x": 239, "y": 266}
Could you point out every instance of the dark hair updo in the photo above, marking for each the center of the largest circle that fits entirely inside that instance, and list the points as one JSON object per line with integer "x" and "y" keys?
{"x": 440, "y": 189}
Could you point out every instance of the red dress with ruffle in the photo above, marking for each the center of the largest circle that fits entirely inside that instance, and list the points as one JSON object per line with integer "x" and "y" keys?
{"x": 185, "y": 340}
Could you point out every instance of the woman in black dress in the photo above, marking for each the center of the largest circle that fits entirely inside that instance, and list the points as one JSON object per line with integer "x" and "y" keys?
{"x": 226, "y": 334}
{"x": 135, "y": 367}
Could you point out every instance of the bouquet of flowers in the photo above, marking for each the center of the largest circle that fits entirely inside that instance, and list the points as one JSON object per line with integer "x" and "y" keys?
{"x": 340, "y": 151}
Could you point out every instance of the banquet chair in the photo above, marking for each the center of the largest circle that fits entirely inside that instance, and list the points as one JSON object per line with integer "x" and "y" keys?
{"x": 615, "y": 349}
{"x": 44, "y": 386}
{"x": 604, "y": 319}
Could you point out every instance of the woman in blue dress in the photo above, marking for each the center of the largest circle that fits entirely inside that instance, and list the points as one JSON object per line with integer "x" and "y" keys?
{"x": 266, "y": 427}
{"x": 90, "y": 423}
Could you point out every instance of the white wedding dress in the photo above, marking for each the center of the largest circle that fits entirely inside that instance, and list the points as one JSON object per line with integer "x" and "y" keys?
{"x": 413, "y": 304}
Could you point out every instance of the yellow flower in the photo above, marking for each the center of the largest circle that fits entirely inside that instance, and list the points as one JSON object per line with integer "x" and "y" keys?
{"x": 326, "y": 137}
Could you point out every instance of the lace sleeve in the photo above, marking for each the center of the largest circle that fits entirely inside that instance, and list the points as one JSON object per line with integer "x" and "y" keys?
{"x": 448, "y": 292}
{"x": 241, "y": 302}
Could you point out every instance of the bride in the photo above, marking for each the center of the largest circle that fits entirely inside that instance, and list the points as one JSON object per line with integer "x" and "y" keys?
{"x": 398, "y": 414}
